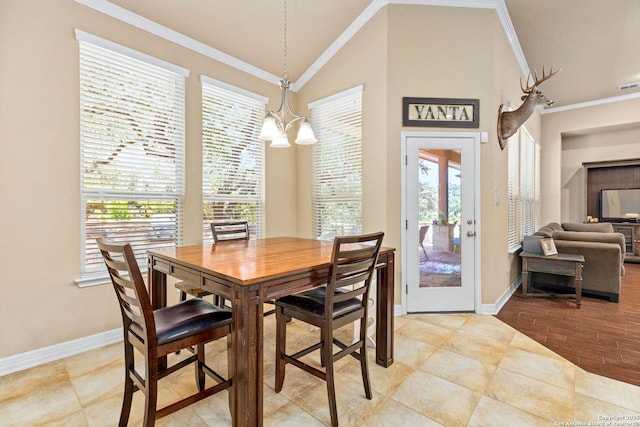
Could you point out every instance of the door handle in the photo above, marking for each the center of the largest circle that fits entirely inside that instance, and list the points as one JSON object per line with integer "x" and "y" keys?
{"x": 470, "y": 234}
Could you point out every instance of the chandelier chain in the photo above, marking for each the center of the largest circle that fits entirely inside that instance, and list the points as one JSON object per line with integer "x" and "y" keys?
{"x": 275, "y": 125}
{"x": 284, "y": 43}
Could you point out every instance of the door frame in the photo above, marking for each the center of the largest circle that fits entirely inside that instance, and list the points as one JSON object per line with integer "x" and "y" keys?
{"x": 477, "y": 274}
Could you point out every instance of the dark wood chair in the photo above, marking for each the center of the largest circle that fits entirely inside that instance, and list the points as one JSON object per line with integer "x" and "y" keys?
{"x": 157, "y": 333}
{"x": 229, "y": 231}
{"x": 222, "y": 232}
{"x": 225, "y": 231}
{"x": 341, "y": 302}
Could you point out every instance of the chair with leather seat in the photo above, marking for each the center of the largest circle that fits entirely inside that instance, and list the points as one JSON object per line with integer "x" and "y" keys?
{"x": 222, "y": 232}
{"x": 343, "y": 300}
{"x": 161, "y": 332}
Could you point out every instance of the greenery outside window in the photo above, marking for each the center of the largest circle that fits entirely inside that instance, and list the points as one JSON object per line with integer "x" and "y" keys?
{"x": 132, "y": 151}
{"x": 337, "y": 164}
{"x": 232, "y": 156}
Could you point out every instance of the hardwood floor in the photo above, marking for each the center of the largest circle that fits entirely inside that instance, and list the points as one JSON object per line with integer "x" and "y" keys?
{"x": 602, "y": 337}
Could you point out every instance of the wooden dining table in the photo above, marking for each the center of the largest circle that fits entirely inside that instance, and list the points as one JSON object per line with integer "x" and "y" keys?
{"x": 248, "y": 273}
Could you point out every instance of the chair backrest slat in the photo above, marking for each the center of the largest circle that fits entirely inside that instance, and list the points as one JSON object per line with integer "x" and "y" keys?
{"x": 351, "y": 280}
{"x": 353, "y": 262}
{"x": 354, "y": 267}
{"x": 354, "y": 252}
{"x": 229, "y": 231}
{"x": 133, "y": 298}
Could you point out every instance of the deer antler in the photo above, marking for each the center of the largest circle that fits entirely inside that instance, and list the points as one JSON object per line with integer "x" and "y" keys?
{"x": 537, "y": 80}
{"x": 510, "y": 121}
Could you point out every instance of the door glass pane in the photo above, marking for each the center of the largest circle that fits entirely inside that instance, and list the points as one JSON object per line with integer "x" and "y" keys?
{"x": 439, "y": 218}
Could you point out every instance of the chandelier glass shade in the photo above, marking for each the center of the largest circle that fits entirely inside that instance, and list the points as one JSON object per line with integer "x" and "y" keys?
{"x": 275, "y": 125}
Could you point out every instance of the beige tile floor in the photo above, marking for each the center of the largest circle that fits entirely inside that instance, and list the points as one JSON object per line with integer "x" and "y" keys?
{"x": 450, "y": 370}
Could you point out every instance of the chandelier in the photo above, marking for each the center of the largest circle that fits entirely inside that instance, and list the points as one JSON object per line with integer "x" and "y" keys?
{"x": 275, "y": 125}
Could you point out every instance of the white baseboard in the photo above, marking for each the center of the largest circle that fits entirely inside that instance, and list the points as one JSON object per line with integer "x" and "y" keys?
{"x": 495, "y": 308}
{"x": 54, "y": 352}
{"x": 51, "y": 353}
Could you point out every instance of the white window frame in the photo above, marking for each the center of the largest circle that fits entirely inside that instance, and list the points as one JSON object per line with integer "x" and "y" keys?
{"x": 337, "y": 164}
{"x": 523, "y": 188}
{"x": 241, "y": 127}
{"x": 147, "y": 147}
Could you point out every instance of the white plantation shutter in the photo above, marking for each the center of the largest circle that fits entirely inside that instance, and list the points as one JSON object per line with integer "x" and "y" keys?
{"x": 233, "y": 156}
{"x": 337, "y": 163}
{"x": 527, "y": 183}
{"x": 536, "y": 202}
{"x": 513, "y": 189}
{"x": 132, "y": 150}
{"x": 523, "y": 187}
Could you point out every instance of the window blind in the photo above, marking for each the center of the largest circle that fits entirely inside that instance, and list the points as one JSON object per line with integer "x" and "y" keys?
{"x": 337, "y": 164}
{"x": 513, "y": 189}
{"x": 132, "y": 153}
{"x": 527, "y": 183}
{"x": 233, "y": 156}
{"x": 536, "y": 176}
{"x": 523, "y": 188}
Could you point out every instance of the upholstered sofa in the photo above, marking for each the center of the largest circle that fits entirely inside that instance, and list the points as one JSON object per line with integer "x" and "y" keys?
{"x": 603, "y": 252}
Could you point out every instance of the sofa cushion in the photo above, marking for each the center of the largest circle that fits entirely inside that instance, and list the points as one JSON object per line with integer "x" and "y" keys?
{"x": 547, "y": 230}
{"x": 544, "y": 232}
{"x": 532, "y": 244}
{"x": 590, "y": 236}
{"x": 594, "y": 239}
{"x": 602, "y": 264}
{"x": 600, "y": 227}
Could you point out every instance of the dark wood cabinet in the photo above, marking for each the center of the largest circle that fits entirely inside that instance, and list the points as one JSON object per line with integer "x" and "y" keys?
{"x": 614, "y": 174}
{"x": 631, "y": 233}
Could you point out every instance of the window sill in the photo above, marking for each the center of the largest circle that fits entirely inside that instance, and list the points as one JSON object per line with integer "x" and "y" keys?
{"x": 513, "y": 251}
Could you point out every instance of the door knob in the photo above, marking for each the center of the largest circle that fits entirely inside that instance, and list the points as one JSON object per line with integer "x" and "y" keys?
{"x": 470, "y": 234}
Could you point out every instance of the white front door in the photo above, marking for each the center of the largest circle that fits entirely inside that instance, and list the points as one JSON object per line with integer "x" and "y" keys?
{"x": 440, "y": 224}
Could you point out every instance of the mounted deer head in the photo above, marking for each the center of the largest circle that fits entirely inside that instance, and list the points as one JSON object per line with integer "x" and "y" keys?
{"x": 510, "y": 121}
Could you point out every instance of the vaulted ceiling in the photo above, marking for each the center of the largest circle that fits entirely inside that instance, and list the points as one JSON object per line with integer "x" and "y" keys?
{"x": 596, "y": 43}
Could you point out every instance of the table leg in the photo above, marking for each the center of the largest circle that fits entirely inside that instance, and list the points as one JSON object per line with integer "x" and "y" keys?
{"x": 157, "y": 287}
{"x": 384, "y": 310}
{"x": 525, "y": 280}
{"x": 246, "y": 367}
{"x": 578, "y": 284}
{"x": 158, "y": 296}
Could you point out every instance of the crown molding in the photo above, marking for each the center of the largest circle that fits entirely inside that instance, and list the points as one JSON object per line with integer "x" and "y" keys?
{"x": 126, "y": 16}
{"x": 590, "y": 103}
{"x": 512, "y": 37}
{"x": 138, "y": 21}
{"x": 351, "y": 30}
{"x": 376, "y": 5}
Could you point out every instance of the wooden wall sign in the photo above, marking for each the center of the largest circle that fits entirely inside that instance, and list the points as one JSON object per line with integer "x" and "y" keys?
{"x": 441, "y": 112}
